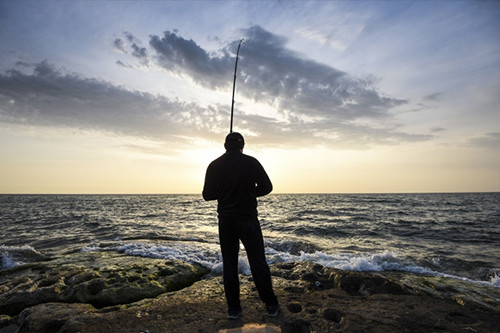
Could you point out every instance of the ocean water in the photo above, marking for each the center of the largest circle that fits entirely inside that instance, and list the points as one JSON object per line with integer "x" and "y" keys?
{"x": 454, "y": 235}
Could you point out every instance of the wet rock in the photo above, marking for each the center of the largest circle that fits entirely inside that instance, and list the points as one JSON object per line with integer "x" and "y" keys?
{"x": 367, "y": 284}
{"x": 315, "y": 276}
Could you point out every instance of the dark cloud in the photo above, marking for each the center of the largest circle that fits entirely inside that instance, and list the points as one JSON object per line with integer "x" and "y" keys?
{"x": 319, "y": 105}
{"x": 139, "y": 52}
{"x": 48, "y": 97}
{"x": 44, "y": 69}
{"x": 119, "y": 45}
{"x": 183, "y": 56}
{"x": 273, "y": 74}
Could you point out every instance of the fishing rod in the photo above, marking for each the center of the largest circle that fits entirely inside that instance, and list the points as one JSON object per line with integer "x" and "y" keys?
{"x": 234, "y": 86}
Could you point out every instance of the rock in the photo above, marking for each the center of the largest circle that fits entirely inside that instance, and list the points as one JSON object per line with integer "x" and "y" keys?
{"x": 295, "y": 289}
{"x": 297, "y": 326}
{"x": 9, "y": 329}
{"x": 361, "y": 283}
{"x": 253, "y": 328}
{"x": 15, "y": 300}
{"x": 98, "y": 278}
{"x": 294, "y": 307}
{"x": 51, "y": 317}
{"x": 4, "y": 320}
{"x": 201, "y": 307}
{"x": 332, "y": 315}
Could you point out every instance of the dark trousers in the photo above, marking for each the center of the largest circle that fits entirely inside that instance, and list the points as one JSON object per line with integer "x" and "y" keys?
{"x": 231, "y": 231}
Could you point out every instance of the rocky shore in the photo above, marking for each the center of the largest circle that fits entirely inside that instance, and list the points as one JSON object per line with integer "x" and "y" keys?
{"x": 111, "y": 292}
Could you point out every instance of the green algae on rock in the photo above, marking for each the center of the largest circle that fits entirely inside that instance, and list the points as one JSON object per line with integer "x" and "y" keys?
{"x": 97, "y": 278}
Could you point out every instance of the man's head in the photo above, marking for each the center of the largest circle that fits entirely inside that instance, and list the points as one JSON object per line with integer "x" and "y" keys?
{"x": 234, "y": 142}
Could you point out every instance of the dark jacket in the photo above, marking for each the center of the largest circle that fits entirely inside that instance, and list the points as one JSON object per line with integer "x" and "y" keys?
{"x": 235, "y": 180}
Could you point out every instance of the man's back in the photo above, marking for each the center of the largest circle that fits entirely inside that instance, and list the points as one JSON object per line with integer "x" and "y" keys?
{"x": 235, "y": 180}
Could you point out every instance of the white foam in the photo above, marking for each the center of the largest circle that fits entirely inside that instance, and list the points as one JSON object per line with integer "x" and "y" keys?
{"x": 13, "y": 256}
{"x": 91, "y": 248}
{"x": 8, "y": 261}
{"x": 369, "y": 262}
{"x": 495, "y": 280}
{"x": 208, "y": 255}
{"x": 378, "y": 262}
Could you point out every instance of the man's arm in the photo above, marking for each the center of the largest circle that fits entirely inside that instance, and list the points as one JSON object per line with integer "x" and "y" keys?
{"x": 264, "y": 185}
{"x": 210, "y": 186}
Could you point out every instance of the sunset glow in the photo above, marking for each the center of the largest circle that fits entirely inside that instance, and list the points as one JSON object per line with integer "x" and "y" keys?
{"x": 331, "y": 96}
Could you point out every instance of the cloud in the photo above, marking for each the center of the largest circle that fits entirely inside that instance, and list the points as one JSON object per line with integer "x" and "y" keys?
{"x": 316, "y": 104}
{"x": 488, "y": 140}
{"x": 130, "y": 37}
{"x": 273, "y": 74}
{"x": 297, "y": 133}
{"x": 119, "y": 45}
{"x": 139, "y": 52}
{"x": 48, "y": 97}
{"x": 182, "y": 56}
{"x": 438, "y": 129}
{"x": 23, "y": 64}
{"x": 433, "y": 97}
{"x": 122, "y": 64}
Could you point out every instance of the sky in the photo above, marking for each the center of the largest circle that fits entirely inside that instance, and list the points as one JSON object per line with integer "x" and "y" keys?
{"x": 331, "y": 96}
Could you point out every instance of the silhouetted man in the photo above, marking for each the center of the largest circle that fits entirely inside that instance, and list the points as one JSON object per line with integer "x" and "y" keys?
{"x": 235, "y": 180}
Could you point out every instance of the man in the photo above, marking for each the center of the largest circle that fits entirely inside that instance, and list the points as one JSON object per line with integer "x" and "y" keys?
{"x": 235, "y": 180}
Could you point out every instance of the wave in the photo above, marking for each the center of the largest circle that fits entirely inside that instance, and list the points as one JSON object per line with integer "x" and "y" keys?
{"x": 370, "y": 262}
{"x": 12, "y": 256}
{"x": 208, "y": 255}
{"x": 377, "y": 262}
{"x": 192, "y": 252}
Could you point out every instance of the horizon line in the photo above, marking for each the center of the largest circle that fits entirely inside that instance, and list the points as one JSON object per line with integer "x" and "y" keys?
{"x": 277, "y": 193}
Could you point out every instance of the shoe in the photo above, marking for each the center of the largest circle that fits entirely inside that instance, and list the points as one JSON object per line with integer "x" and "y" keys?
{"x": 233, "y": 314}
{"x": 273, "y": 310}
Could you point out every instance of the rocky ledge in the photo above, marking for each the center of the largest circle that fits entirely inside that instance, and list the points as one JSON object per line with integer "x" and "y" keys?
{"x": 96, "y": 292}
{"x": 100, "y": 279}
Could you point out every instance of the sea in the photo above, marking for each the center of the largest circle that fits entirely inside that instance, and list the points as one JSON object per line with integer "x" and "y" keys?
{"x": 450, "y": 235}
